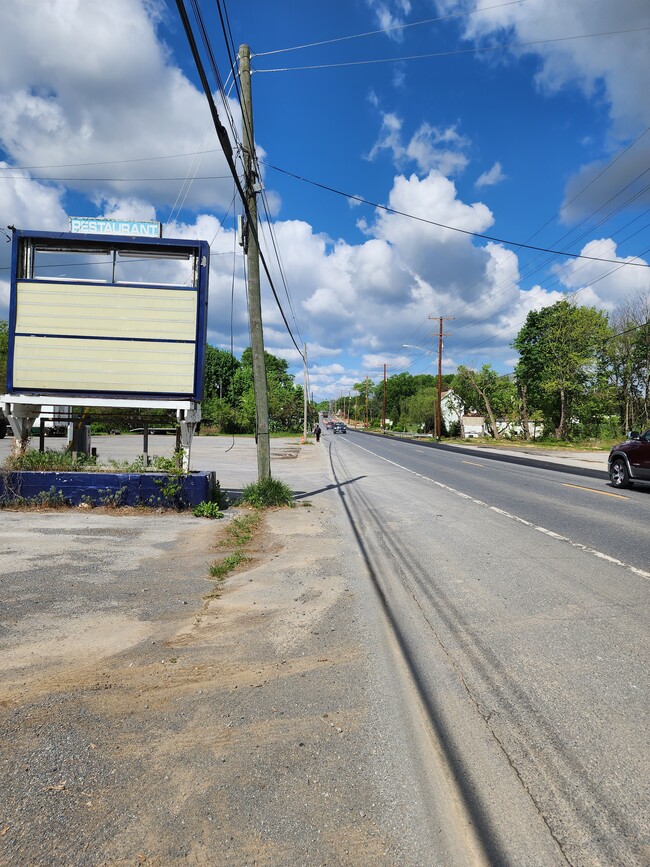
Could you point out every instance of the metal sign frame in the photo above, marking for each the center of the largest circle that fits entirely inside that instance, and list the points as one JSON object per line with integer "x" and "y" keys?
{"x": 106, "y": 342}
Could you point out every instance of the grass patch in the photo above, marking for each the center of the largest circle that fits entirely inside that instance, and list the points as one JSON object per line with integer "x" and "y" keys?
{"x": 266, "y": 494}
{"x": 218, "y": 571}
{"x": 50, "y": 461}
{"x": 239, "y": 531}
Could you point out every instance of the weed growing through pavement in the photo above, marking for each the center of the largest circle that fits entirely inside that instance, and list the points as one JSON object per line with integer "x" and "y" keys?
{"x": 207, "y": 510}
{"x": 239, "y": 533}
{"x": 232, "y": 561}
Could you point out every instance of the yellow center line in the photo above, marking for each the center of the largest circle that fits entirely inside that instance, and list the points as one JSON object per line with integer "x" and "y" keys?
{"x": 594, "y": 491}
{"x": 473, "y": 464}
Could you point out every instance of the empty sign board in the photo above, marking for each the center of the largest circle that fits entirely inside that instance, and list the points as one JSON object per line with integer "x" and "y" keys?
{"x": 107, "y": 316}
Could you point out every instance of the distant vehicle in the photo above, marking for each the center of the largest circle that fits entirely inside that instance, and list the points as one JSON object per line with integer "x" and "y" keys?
{"x": 55, "y": 421}
{"x": 339, "y": 427}
{"x": 629, "y": 462}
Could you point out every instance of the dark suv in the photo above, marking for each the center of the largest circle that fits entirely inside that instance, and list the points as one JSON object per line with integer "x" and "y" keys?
{"x": 629, "y": 462}
{"x": 340, "y": 428}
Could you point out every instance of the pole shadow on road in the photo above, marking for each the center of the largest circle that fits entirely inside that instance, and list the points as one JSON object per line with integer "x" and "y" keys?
{"x": 302, "y": 494}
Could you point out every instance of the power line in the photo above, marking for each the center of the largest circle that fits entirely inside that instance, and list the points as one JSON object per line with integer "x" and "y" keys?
{"x": 485, "y": 237}
{"x": 567, "y": 297}
{"x": 115, "y": 180}
{"x": 627, "y": 331}
{"x": 222, "y": 135}
{"x": 108, "y": 162}
{"x": 475, "y": 50}
{"x": 528, "y": 271}
{"x": 383, "y": 30}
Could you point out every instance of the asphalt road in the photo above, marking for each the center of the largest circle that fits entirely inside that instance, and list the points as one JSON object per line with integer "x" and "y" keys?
{"x": 518, "y": 600}
{"x": 576, "y": 503}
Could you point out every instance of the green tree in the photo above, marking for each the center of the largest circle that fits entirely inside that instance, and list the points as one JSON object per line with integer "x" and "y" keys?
{"x": 285, "y": 399}
{"x": 421, "y": 408}
{"x": 366, "y": 397}
{"x": 218, "y": 373}
{"x": 561, "y": 362}
{"x": 487, "y": 392}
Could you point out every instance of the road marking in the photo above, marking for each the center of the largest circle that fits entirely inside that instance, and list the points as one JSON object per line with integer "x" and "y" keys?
{"x": 594, "y": 491}
{"x": 503, "y": 513}
{"x": 482, "y": 466}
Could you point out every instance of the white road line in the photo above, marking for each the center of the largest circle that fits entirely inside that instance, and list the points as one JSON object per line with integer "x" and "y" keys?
{"x": 511, "y": 517}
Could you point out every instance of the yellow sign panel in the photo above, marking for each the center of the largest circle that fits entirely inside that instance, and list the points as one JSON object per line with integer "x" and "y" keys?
{"x": 112, "y": 365}
{"x": 94, "y": 337}
{"x": 98, "y": 310}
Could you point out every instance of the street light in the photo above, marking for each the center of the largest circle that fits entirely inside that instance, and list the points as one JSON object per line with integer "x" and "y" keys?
{"x": 421, "y": 348}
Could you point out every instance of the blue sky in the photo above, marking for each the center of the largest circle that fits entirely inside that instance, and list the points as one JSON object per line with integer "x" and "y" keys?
{"x": 542, "y": 140}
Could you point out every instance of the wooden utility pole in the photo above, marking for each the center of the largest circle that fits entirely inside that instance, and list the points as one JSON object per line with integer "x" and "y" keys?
{"x": 440, "y": 336}
{"x": 383, "y": 414}
{"x": 253, "y": 261}
{"x": 304, "y": 388}
{"x": 367, "y": 419}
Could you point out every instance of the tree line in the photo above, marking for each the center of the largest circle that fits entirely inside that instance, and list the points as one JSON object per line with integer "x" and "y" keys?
{"x": 581, "y": 374}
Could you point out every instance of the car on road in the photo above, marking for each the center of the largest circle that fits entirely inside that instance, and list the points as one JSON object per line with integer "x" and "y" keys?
{"x": 629, "y": 462}
{"x": 339, "y": 427}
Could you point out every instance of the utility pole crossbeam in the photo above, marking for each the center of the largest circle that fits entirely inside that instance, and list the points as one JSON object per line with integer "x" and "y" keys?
{"x": 253, "y": 261}
{"x": 440, "y": 319}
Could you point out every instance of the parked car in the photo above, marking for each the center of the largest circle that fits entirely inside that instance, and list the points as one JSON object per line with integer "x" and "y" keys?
{"x": 339, "y": 427}
{"x": 629, "y": 462}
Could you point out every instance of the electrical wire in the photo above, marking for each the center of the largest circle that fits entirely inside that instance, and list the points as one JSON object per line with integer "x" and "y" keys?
{"x": 233, "y": 130}
{"x": 627, "y": 331}
{"x": 478, "y": 49}
{"x": 508, "y": 243}
{"x": 530, "y": 272}
{"x": 232, "y": 314}
{"x": 228, "y": 152}
{"x": 269, "y": 224}
{"x": 113, "y": 180}
{"x": 567, "y": 297}
{"x": 383, "y": 30}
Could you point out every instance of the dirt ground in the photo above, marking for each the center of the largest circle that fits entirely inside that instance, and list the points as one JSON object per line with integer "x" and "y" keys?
{"x": 145, "y": 723}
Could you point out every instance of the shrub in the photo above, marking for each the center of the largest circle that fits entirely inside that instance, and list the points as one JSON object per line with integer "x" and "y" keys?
{"x": 267, "y": 493}
{"x": 207, "y": 510}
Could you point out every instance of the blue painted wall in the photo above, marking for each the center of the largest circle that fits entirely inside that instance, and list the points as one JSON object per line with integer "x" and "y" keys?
{"x": 125, "y": 489}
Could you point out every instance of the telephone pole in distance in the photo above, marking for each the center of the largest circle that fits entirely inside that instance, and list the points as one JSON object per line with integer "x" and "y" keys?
{"x": 440, "y": 319}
